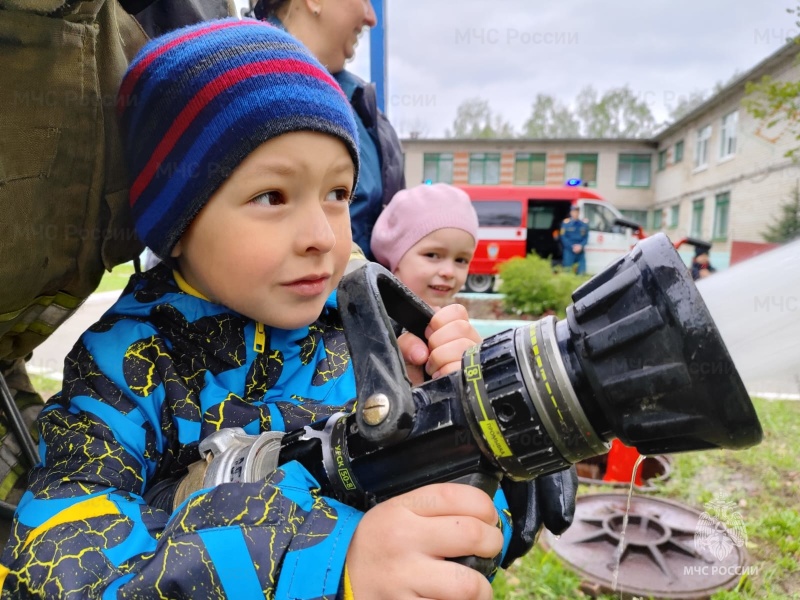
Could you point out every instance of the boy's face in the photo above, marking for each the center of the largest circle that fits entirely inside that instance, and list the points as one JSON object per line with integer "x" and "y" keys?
{"x": 435, "y": 268}
{"x": 273, "y": 241}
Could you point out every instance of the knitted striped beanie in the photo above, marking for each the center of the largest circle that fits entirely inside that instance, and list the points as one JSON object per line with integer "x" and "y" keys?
{"x": 195, "y": 102}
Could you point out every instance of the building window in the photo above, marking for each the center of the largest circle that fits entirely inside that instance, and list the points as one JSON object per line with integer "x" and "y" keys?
{"x": 484, "y": 168}
{"x": 727, "y": 135}
{"x": 674, "y": 215}
{"x": 678, "y": 156}
{"x": 658, "y": 216}
{"x": 638, "y": 216}
{"x": 662, "y": 160}
{"x": 438, "y": 168}
{"x": 634, "y": 170}
{"x": 721, "y": 211}
{"x": 697, "y": 218}
{"x": 583, "y": 167}
{"x": 701, "y": 149}
{"x": 529, "y": 169}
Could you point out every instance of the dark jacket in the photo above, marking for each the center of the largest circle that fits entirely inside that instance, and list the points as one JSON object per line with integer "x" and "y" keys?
{"x": 697, "y": 267}
{"x": 381, "y": 175}
{"x": 574, "y": 231}
{"x": 160, "y": 371}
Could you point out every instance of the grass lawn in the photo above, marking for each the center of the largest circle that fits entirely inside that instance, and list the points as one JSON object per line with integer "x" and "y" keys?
{"x": 764, "y": 480}
{"x": 116, "y": 279}
{"x": 46, "y": 386}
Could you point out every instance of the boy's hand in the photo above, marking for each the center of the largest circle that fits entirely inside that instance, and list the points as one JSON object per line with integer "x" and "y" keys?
{"x": 399, "y": 547}
{"x": 449, "y": 334}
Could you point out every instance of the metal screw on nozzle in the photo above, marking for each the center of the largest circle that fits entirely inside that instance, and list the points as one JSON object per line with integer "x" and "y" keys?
{"x": 376, "y": 409}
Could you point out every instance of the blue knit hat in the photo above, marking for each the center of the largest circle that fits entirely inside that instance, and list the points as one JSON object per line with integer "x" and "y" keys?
{"x": 195, "y": 102}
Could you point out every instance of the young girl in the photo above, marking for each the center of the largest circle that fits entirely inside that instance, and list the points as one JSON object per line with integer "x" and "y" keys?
{"x": 426, "y": 236}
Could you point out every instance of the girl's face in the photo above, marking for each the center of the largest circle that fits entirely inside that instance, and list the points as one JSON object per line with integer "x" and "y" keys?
{"x": 435, "y": 268}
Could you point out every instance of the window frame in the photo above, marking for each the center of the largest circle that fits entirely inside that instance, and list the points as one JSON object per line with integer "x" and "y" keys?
{"x": 637, "y": 216}
{"x": 657, "y": 223}
{"x": 531, "y": 158}
{"x": 662, "y": 160}
{"x": 695, "y": 227}
{"x": 427, "y": 158}
{"x": 702, "y": 141}
{"x": 727, "y": 134}
{"x": 500, "y": 213}
{"x": 633, "y": 160}
{"x": 674, "y": 216}
{"x": 720, "y": 200}
{"x": 677, "y": 155}
{"x": 583, "y": 158}
{"x": 483, "y": 159}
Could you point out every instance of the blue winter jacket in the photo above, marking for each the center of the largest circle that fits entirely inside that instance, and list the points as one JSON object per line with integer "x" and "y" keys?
{"x": 159, "y": 372}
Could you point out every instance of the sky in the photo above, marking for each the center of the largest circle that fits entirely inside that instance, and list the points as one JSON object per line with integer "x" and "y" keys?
{"x": 442, "y": 52}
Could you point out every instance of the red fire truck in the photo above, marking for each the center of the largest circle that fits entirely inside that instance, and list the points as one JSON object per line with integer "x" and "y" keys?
{"x": 517, "y": 220}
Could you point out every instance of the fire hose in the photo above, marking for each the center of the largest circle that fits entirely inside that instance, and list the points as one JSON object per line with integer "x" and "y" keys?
{"x": 637, "y": 358}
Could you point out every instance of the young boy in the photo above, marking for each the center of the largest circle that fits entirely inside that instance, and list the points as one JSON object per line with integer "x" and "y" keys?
{"x": 243, "y": 155}
{"x": 426, "y": 236}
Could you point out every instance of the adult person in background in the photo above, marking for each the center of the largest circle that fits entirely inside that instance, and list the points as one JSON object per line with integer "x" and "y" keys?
{"x": 574, "y": 236}
{"x": 63, "y": 185}
{"x": 701, "y": 264}
{"x": 330, "y": 29}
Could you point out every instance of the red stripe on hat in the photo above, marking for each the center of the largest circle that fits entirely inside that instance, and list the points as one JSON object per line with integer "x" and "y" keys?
{"x": 133, "y": 76}
{"x": 210, "y": 91}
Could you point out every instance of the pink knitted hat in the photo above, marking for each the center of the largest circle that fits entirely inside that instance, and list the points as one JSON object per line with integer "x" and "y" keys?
{"x": 416, "y": 212}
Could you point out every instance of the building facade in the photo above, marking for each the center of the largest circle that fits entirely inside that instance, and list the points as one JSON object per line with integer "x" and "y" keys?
{"x": 717, "y": 173}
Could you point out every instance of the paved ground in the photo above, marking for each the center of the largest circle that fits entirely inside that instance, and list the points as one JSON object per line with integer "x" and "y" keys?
{"x": 48, "y": 358}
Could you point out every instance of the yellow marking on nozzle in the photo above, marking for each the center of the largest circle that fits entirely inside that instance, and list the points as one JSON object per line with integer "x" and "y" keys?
{"x": 494, "y": 437}
{"x": 489, "y": 427}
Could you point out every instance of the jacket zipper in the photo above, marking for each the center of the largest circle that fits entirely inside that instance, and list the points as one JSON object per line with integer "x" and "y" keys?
{"x": 260, "y": 338}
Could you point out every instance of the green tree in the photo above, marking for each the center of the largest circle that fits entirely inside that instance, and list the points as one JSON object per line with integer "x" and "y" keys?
{"x": 787, "y": 225}
{"x": 686, "y": 104}
{"x": 618, "y": 113}
{"x": 475, "y": 119}
{"x": 776, "y": 103}
{"x": 550, "y": 119}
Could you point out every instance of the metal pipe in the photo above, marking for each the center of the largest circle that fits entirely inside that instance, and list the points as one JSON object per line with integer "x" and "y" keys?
{"x": 26, "y": 443}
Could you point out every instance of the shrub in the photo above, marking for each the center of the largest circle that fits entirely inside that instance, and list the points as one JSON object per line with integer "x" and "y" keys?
{"x": 532, "y": 287}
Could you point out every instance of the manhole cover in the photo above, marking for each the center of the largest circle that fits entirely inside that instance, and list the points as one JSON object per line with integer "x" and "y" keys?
{"x": 670, "y": 550}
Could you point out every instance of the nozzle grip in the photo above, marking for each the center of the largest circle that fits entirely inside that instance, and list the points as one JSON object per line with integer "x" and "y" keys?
{"x": 488, "y": 483}
{"x": 369, "y": 297}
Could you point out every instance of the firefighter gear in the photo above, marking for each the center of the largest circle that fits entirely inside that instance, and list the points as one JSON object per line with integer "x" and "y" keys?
{"x": 574, "y": 232}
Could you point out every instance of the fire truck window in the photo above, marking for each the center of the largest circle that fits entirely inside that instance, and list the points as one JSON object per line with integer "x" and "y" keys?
{"x": 540, "y": 217}
{"x": 599, "y": 217}
{"x": 498, "y": 214}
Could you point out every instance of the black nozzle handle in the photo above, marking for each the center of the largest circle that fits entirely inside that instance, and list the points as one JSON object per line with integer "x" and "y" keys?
{"x": 369, "y": 298}
{"x": 488, "y": 483}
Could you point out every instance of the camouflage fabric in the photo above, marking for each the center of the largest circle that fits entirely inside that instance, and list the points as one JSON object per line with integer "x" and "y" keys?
{"x": 63, "y": 184}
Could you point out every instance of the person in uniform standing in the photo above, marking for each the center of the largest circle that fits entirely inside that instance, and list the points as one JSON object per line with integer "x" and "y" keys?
{"x": 574, "y": 237}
